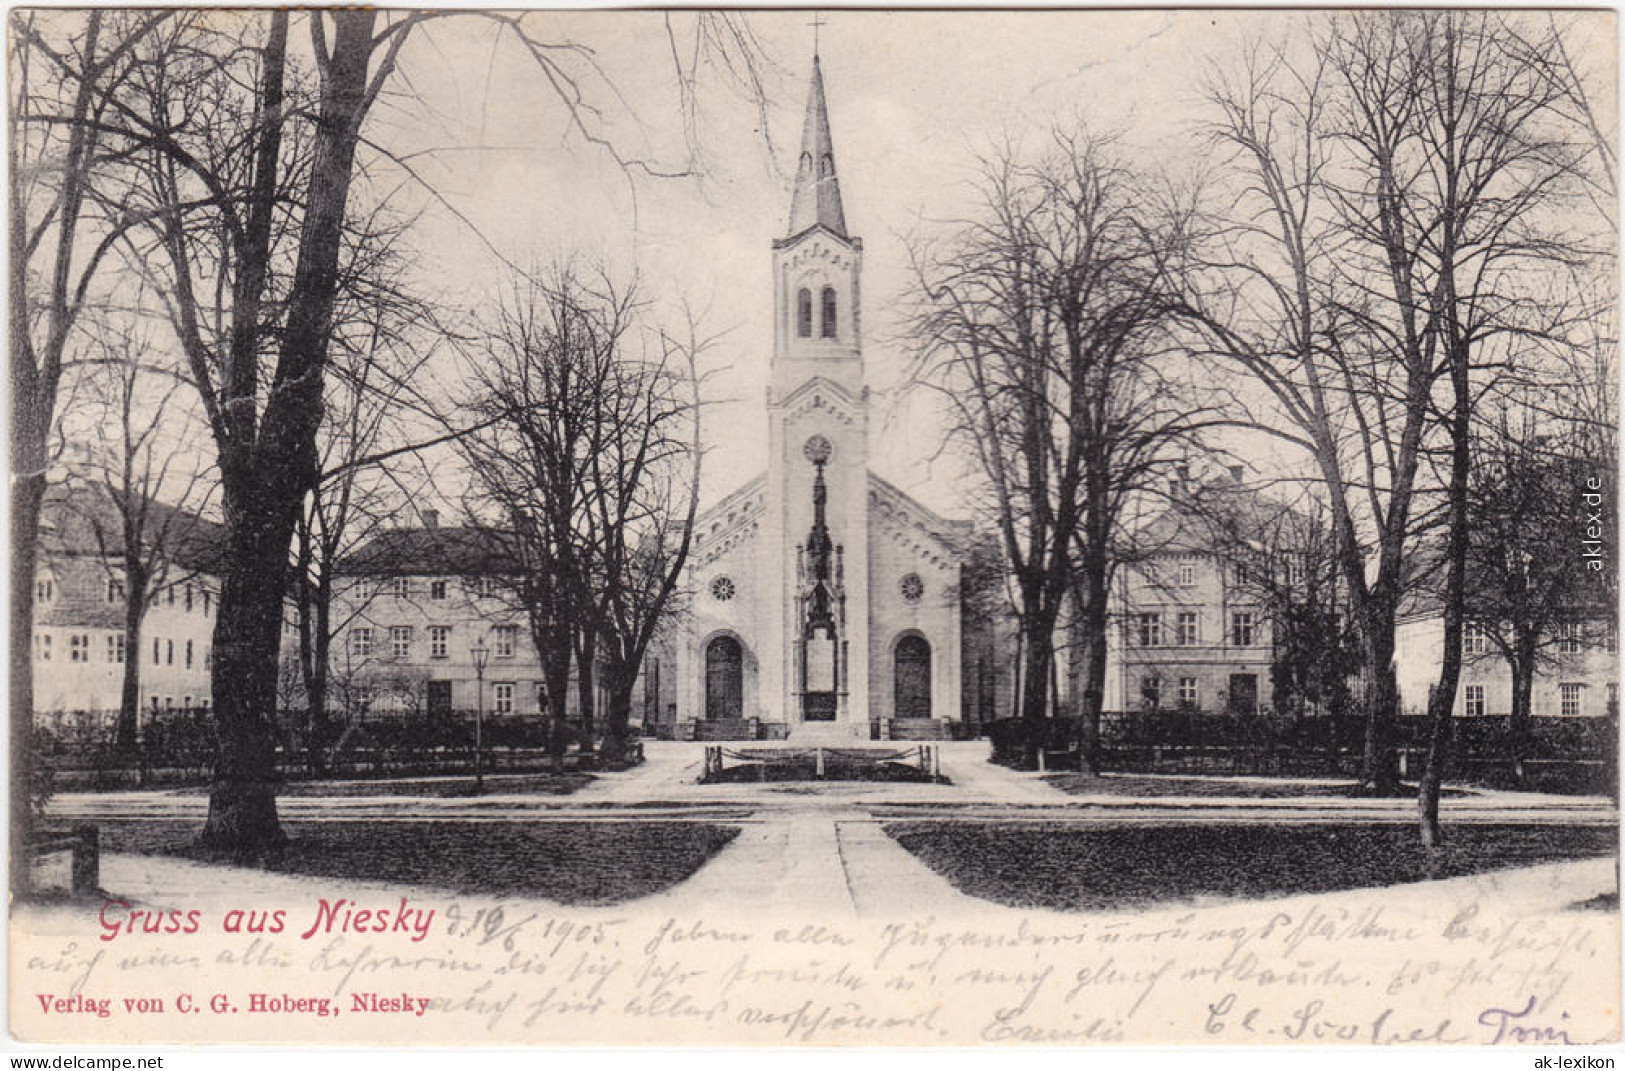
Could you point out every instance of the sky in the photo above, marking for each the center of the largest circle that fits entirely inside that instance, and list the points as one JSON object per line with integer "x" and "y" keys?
{"x": 476, "y": 143}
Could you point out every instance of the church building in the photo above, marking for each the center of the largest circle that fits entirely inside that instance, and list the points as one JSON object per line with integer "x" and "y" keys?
{"x": 826, "y": 602}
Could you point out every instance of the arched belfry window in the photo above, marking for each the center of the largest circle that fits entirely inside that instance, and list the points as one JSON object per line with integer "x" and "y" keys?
{"x": 804, "y": 313}
{"x": 829, "y": 312}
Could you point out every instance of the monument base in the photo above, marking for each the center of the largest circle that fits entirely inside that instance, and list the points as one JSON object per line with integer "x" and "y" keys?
{"x": 832, "y": 733}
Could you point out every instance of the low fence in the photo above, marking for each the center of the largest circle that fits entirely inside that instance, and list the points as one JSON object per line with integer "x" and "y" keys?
{"x": 1554, "y": 754}
{"x": 178, "y": 748}
{"x": 818, "y": 762}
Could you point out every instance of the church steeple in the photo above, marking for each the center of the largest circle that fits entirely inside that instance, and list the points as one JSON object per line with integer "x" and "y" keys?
{"x": 817, "y": 198}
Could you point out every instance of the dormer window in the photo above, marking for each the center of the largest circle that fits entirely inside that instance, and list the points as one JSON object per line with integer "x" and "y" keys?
{"x": 829, "y": 323}
{"x": 826, "y": 166}
{"x": 804, "y": 313}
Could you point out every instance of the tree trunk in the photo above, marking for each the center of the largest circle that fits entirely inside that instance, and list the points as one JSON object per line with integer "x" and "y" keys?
{"x": 1380, "y": 768}
{"x": 316, "y": 688}
{"x": 556, "y": 670}
{"x": 1039, "y": 653}
{"x": 265, "y": 481}
{"x": 586, "y": 685}
{"x": 1442, "y": 703}
{"x": 28, "y": 493}
{"x": 125, "y": 738}
{"x": 1523, "y": 703}
{"x": 618, "y": 680}
{"x": 1094, "y": 622}
{"x": 242, "y": 822}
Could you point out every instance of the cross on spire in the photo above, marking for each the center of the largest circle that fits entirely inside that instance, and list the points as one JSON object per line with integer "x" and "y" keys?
{"x": 817, "y": 21}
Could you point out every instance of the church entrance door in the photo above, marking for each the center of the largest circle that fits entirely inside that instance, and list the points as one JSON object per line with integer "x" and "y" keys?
{"x": 724, "y": 679}
{"x": 911, "y": 674}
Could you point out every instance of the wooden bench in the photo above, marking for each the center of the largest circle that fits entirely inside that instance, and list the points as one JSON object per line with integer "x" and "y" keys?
{"x": 84, "y": 841}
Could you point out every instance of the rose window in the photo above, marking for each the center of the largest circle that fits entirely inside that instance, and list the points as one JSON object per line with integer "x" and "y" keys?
{"x": 722, "y": 588}
{"x": 912, "y": 587}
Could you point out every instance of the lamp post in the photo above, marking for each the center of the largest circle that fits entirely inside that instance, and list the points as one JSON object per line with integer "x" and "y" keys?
{"x": 481, "y": 654}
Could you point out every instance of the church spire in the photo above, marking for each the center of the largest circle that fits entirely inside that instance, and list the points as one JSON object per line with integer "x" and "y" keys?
{"x": 817, "y": 199}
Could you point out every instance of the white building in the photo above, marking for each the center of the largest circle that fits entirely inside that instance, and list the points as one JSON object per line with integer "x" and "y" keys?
{"x": 1578, "y": 675}
{"x": 413, "y": 606}
{"x": 823, "y": 595}
{"x": 80, "y": 649}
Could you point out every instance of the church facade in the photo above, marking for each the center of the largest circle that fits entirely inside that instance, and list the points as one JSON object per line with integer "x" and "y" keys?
{"x": 825, "y": 601}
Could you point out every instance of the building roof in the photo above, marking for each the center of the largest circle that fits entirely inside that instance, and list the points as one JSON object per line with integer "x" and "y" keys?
{"x": 817, "y": 197}
{"x": 429, "y": 551}
{"x": 82, "y": 521}
{"x": 1223, "y": 510}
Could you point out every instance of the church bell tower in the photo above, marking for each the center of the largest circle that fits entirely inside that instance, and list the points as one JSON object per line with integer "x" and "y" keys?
{"x": 818, "y": 464}
{"x": 816, "y": 268}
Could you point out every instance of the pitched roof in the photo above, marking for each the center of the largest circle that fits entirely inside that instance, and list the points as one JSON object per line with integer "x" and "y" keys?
{"x": 82, "y": 521}
{"x": 437, "y": 551}
{"x": 817, "y": 197}
{"x": 1216, "y": 511}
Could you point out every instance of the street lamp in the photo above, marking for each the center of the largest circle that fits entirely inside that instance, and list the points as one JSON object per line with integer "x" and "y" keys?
{"x": 481, "y": 654}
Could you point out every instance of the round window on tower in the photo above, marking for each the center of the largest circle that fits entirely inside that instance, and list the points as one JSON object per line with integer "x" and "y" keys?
{"x": 817, "y": 450}
{"x": 722, "y": 588}
{"x": 912, "y": 587}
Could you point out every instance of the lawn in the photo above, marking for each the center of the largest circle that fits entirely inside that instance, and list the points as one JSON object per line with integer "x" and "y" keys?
{"x": 579, "y": 863}
{"x": 1067, "y": 868}
{"x": 537, "y": 784}
{"x": 1076, "y": 784}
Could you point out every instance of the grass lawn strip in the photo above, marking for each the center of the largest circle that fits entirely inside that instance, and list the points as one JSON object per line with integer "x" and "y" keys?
{"x": 576, "y": 863}
{"x": 1057, "y": 867}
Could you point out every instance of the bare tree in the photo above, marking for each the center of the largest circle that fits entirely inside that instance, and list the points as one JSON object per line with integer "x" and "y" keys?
{"x": 371, "y": 467}
{"x": 540, "y": 390}
{"x": 644, "y": 492}
{"x": 1397, "y": 175}
{"x": 1490, "y": 158}
{"x": 1276, "y": 306}
{"x": 141, "y": 486}
{"x": 246, "y": 151}
{"x": 65, "y": 68}
{"x": 1045, "y": 320}
{"x": 216, "y": 144}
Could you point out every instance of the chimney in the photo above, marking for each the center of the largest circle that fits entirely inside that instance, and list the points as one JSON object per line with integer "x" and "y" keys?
{"x": 431, "y": 518}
